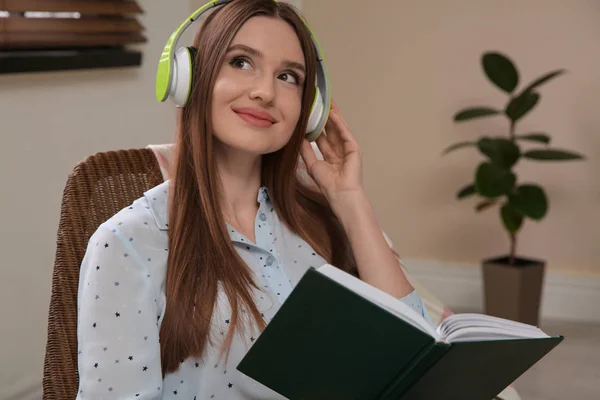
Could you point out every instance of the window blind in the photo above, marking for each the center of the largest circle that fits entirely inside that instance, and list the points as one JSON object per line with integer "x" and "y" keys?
{"x": 69, "y": 24}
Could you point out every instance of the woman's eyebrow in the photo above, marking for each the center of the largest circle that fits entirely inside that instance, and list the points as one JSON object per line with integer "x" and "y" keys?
{"x": 245, "y": 48}
{"x": 257, "y": 53}
{"x": 294, "y": 65}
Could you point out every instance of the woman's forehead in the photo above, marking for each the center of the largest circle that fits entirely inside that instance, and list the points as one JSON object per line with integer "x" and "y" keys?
{"x": 272, "y": 37}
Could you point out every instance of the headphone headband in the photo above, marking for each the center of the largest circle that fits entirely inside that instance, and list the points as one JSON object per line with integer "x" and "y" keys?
{"x": 169, "y": 72}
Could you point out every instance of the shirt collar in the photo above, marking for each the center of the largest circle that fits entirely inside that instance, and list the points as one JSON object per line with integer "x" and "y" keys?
{"x": 158, "y": 196}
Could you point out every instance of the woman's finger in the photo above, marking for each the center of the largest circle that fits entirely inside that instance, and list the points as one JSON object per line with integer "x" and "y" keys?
{"x": 325, "y": 147}
{"x": 307, "y": 153}
{"x": 343, "y": 134}
{"x": 342, "y": 120}
{"x": 333, "y": 136}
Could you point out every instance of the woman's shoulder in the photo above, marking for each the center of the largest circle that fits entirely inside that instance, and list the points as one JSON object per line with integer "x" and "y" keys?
{"x": 133, "y": 241}
{"x": 146, "y": 216}
{"x": 139, "y": 228}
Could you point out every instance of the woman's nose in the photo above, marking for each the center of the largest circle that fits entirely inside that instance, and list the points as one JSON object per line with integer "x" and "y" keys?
{"x": 263, "y": 89}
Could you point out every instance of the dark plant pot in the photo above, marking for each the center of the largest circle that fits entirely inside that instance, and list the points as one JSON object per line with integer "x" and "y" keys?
{"x": 513, "y": 291}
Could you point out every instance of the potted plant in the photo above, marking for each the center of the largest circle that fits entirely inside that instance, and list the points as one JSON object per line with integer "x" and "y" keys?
{"x": 512, "y": 283}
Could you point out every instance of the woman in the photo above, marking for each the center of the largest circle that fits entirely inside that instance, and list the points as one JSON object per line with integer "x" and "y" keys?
{"x": 174, "y": 288}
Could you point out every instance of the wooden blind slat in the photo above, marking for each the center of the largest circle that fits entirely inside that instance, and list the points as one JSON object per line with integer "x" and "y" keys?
{"x": 101, "y": 7}
{"x": 99, "y": 23}
{"x": 65, "y": 25}
{"x": 58, "y": 40}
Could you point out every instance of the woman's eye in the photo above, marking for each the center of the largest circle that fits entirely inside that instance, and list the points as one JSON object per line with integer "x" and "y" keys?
{"x": 290, "y": 77}
{"x": 240, "y": 63}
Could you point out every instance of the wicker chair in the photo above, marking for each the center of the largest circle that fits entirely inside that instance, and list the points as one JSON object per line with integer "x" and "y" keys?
{"x": 96, "y": 189}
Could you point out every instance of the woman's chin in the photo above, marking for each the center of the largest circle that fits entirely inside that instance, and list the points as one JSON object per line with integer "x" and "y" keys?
{"x": 254, "y": 142}
{"x": 253, "y": 146}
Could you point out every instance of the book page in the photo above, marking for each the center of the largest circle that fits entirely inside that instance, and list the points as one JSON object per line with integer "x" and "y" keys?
{"x": 472, "y": 327}
{"x": 379, "y": 297}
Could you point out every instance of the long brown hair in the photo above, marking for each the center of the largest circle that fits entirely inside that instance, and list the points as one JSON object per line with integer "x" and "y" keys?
{"x": 202, "y": 258}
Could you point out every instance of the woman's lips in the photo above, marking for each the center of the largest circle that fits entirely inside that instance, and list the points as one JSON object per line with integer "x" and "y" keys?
{"x": 255, "y": 118}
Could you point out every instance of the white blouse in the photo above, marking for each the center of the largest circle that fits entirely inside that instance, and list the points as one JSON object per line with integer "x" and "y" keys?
{"x": 121, "y": 303}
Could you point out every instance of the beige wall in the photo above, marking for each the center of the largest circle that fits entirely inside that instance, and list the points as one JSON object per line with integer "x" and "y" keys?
{"x": 400, "y": 69}
{"x": 50, "y": 121}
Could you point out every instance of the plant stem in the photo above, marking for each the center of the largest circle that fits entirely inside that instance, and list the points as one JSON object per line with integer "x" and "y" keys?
{"x": 511, "y": 133}
{"x": 513, "y": 248}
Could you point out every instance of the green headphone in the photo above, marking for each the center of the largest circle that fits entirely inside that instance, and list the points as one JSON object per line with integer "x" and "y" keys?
{"x": 175, "y": 70}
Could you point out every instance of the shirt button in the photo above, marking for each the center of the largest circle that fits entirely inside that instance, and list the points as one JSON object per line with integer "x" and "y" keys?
{"x": 263, "y": 217}
{"x": 270, "y": 260}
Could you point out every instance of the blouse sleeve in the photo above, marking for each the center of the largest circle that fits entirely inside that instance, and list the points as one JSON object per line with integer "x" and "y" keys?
{"x": 119, "y": 352}
{"x": 414, "y": 300}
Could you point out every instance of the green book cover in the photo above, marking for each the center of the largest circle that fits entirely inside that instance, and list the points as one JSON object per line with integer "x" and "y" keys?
{"x": 335, "y": 337}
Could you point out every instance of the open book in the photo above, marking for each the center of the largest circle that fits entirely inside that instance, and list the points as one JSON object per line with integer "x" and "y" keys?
{"x": 455, "y": 328}
{"x": 337, "y": 337}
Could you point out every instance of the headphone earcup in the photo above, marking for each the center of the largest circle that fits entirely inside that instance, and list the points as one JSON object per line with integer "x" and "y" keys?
{"x": 183, "y": 68}
{"x": 316, "y": 113}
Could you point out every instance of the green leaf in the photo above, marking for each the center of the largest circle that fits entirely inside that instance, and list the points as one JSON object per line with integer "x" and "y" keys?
{"x": 511, "y": 219}
{"x": 501, "y": 71}
{"x": 552, "y": 155}
{"x": 475, "y": 112}
{"x": 466, "y": 191}
{"x": 493, "y": 181}
{"x": 484, "y": 205}
{"x": 543, "y": 79}
{"x": 458, "y": 146}
{"x": 521, "y": 105}
{"x": 529, "y": 201}
{"x": 501, "y": 151}
{"x": 535, "y": 137}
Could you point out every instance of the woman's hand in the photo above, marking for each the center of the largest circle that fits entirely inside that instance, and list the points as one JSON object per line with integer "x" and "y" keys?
{"x": 340, "y": 173}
